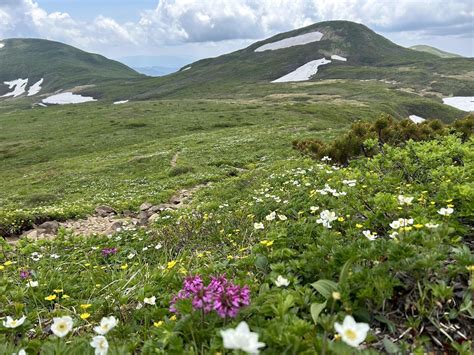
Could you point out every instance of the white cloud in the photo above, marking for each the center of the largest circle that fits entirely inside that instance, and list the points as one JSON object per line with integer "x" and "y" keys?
{"x": 174, "y": 22}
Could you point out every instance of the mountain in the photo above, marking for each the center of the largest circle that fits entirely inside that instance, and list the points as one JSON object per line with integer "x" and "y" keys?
{"x": 435, "y": 51}
{"x": 58, "y": 65}
{"x": 155, "y": 70}
{"x": 338, "y": 49}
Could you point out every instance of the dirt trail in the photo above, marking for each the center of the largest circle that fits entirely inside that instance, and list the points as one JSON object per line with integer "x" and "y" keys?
{"x": 107, "y": 221}
{"x": 174, "y": 160}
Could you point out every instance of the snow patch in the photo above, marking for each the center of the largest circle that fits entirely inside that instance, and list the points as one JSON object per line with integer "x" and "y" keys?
{"x": 292, "y": 41}
{"x": 464, "y": 103}
{"x": 67, "y": 98}
{"x": 120, "y": 102}
{"x": 2, "y": 45}
{"x": 416, "y": 119}
{"x": 187, "y": 68}
{"x": 338, "y": 57}
{"x": 42, "y": 105}
{"x": 303, "y": 73}
{"x": 18, "y": 86}
{"x": 35, "y": 88}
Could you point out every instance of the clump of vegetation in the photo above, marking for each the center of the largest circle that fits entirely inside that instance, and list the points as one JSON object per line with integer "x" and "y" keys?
{"x": 368, "y": 138}
{"x": 297, "y": 256}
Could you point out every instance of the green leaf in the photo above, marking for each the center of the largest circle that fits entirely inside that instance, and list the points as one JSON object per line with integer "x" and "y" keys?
{"x": 345, "y": 271}
{"x": 390, "y": 346}
{"x": 316, "y": 309}
{"x": 325, "y": 287}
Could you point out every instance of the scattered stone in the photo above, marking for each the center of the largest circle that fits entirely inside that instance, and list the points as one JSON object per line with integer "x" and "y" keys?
{"x": 104, "y": 211}
{"x": 153, "y": 218}
{"x": 154, "y": 209}
{"x": 143, "y": 218}
{"x": 145, "y": 206}
{"x": 50, "y": 227}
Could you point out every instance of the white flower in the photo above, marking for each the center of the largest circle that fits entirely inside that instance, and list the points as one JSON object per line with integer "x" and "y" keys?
{"x": 100, "y": 344}
{"x": 352, "y": 333}
{"x": 35, "y": 256}
{"x": 130, "y": 256}
{"x": 404, "y": 200}
{"x": 144, "y": 248}
{"x": 150, "y": 300}
{"x": 369, "y": 235}
{"x": 350, "y": 183}
{"x": 258, "y": 225}
{"x": 271, "y": 216}
{"x": 32, "y": 284}
{"x": 106, "y": 324}
{"x": 13, "y": 323}
{"x": 61, "y": 326}
{"x": 393, "y": 235}
{"x": 241, "y": 338}
{"x": 326, "y": 158}
{"x": 55, "y": 256}
{"x": 326, "y": 217}
{"x": 158, "y": 246}
{"x": 431, "y": 225}
{"x": 21, "y": 352}
{"x": 313, "y": 209}
{"x": 401, "y": 222}
{"x": 281, "y": 281}
{"x": 282, "y": 217}
{"x": 446, "y": 211}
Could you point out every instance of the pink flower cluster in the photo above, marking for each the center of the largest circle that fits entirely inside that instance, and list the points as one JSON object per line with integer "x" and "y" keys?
{"x": 109, "y": 251}
{"x": 219, "y": 295}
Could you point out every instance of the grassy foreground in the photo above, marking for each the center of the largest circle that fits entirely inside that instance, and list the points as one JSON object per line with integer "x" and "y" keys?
{"x": 410, "y": 280}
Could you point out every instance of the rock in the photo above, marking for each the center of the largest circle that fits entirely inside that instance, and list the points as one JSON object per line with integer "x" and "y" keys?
{"x": 31, "y": 235}
{"x": 153, "y": 218}
{"x": 104, "y": 211}
{"x": 175, "y": 200}
{"x": 114, "y": 227}
{"x": 145, "y": 206}
{"x": 154, "y": 209}
{"x": 166, "y": 206}
{"x": 143, "y": 218}
{"x": 129, "y": 214}
{"x": 50, "y": 227}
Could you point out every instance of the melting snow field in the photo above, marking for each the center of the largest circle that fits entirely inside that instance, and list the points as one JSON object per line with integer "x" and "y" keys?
{"x": 292, "y": 41}
{"x": 2, "y": 45}
{"x": 67, "y": 98}
{"x": 303, "y": 73}
{"x": 338, "y": 57}
{"x": 120, "y": 102}
{"x": 35, "y": 88}
{"x": 464, "y": 103}
{"x": 416, "y": 119}
{"x": 18, "y": 86}
{"x": 187, "y": 68}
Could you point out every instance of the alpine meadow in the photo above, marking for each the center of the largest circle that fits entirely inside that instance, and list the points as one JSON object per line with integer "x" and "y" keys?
{"x": 310, "y": 193}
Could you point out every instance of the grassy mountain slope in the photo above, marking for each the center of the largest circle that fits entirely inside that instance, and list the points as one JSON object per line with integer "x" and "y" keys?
{"x": 435, "y": 51}
{"x": 62, "y": 66}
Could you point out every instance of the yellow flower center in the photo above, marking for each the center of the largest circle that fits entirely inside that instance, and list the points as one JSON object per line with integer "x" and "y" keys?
{"x": 350, "y": 334}
{"x": 62, "y": 326}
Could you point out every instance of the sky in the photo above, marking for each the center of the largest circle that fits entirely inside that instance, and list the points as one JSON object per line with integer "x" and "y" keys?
{"x": 176, "y": 32}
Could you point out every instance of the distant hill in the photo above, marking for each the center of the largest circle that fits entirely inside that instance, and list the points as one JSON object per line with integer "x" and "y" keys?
{"x": 435, "y": 51}
{"x": 59, "y": 65}
{"x": 339, "y": 49}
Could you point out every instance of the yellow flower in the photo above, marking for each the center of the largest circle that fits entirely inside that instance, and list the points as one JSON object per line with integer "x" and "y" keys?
{"x": 407, "y": 229}
{"x": 432, "y": 202}
{"x": 173, "y": 317}
{"x": 341, "y": 219}
{"x": 85, "y": 315}
{"x": 8, "y": 263}
{"x": 267, "y": 243}
{"x": 449, "y": 200}
{"x": 171, "y": 264}
{"x": 158, "y": 324}
{"x": 229, "y": 257}
{"x": 85, "y": 306}
{"x": 358, "y": 225}
{"x": 65, "y": 297}
{"x": 470, "y": 268}
{"x": 58, "y": 290}
{"x": 98, "y": 285}
{"x": 336, "y": 295}
{"x": 418, "y": 226}
{"x": 2, "y": 267}
{"x": 50, "y": 298}
{"x": 88, "y": 264}
{"x": 200, "y": 255}
{"x": 124, "y": 267}
{"x": 451, "y": 205}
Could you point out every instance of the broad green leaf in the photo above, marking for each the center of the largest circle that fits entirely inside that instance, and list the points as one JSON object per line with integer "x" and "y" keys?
{"x": 390, "y": 346}
{"x": 316, "y": 309}
{"x": 345, "y": 271}
{"x": 325, "y": 287}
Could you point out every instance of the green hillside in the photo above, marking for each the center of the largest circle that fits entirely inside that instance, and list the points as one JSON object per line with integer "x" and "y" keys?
{"x": 62, "y": 66}
{"x": 434, "y": 51}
